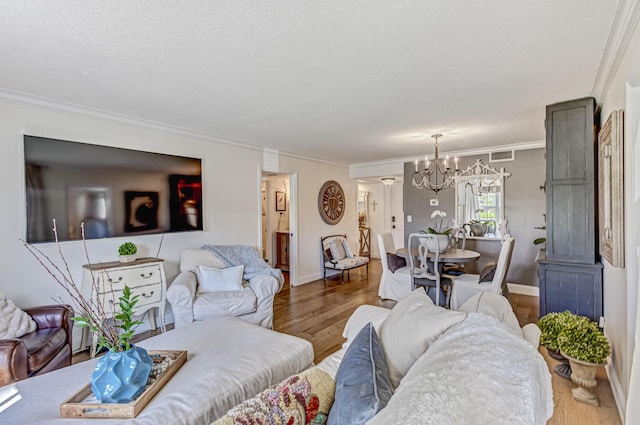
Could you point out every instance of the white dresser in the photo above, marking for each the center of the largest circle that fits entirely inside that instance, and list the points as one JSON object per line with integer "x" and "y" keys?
{"x": 145, "y": 277}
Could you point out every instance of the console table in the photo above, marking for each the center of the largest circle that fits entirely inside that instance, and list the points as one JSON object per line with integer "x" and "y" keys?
{"x": 105, "y": 282}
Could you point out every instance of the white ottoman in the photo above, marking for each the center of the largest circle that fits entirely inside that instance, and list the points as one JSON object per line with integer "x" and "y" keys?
{"x": 229, "y": 360}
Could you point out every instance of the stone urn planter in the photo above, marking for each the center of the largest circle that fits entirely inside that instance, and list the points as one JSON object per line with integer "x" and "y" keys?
{"x": 563, "y": 369}
{"x": 584, "y": 375}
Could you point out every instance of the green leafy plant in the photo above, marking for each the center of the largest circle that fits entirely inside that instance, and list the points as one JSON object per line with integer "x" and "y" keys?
{"x": 114, "y": 334}
{"x": 121, "y": 340}
{"x": 550, "y": 327}
{"x": 127, "y": 248}
{"x": 583, "y": 340}
{"x": 574, "y": 335}
{"x": 539, "y": 241}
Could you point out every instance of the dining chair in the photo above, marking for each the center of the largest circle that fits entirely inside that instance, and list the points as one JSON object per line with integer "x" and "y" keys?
{"x": 459, "y": 241}
{"x": 467, "y": 285}
{"x": 395, "y": 283}
{"x": 425, "y": 270}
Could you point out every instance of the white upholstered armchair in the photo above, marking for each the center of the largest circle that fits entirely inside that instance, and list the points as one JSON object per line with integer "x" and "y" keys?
{"x": 252, "y": 301}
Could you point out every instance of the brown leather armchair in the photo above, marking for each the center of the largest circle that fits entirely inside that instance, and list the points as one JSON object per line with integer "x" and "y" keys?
{"x": 43, "y": 350}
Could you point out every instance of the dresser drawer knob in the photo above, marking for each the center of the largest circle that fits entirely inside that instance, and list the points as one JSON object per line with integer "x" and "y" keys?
{"x": 142, "y": 275}
{"x": 147, "y": 296}
{"x": 119, "y": 279}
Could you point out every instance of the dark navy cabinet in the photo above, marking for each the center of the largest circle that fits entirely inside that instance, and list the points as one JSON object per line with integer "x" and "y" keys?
{"x": 571, "y": 277}
{"x": 573, "y": 287}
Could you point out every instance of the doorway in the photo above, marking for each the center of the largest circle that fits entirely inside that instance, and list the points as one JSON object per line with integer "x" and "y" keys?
{"x": 276, "y": 225}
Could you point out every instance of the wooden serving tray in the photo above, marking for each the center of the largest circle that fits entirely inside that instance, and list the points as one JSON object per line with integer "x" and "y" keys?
{"x": 76, "y": 407}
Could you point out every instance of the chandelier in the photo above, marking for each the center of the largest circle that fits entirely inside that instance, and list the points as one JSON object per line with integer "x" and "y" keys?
{"x": 436, "y": 175}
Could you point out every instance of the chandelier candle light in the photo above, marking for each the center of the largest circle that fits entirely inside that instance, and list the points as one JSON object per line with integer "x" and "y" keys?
{"x": 444, "y": 177}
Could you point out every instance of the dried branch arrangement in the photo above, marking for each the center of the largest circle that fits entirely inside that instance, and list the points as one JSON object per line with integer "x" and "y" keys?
{"x": 115, "y": 334}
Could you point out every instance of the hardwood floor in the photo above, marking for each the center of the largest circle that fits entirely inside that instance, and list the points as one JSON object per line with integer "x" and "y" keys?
{"x": 318, "y": 311}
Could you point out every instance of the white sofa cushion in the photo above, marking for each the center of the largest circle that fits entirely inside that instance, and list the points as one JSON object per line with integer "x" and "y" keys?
{"x": 233, "y": 303}
{"x": 500, "y": 308}
{"x": 412, "y": 326}
{"x": 363, "y": 315}
{"x": 191, "y": 258}
{"x": 212, "y": 279}
{"x": 476, "y": 373}
{"x": 347, "y": 263}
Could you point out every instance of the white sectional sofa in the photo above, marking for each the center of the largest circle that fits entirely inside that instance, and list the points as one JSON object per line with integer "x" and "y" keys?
{"x": 475, "y": 366}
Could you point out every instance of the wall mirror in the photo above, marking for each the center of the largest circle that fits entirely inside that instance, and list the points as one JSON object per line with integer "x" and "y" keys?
{"x": 363, "y": 209}
{"x": 480, "y": 200}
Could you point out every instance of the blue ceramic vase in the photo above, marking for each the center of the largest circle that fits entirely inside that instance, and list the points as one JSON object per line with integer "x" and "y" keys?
{"x": 120, "y": 377}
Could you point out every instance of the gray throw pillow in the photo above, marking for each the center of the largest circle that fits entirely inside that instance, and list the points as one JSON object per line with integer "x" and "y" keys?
{"x": 363, "y": 386}
{"x": 395, "y": 262}
{"x": 487, "y": 272}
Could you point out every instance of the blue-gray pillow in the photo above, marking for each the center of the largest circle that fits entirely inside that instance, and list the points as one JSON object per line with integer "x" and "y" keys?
{"x": 363, "y": 386}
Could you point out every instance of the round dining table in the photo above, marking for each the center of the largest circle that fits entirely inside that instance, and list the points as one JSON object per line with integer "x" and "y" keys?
{"x": 455, "y": 255}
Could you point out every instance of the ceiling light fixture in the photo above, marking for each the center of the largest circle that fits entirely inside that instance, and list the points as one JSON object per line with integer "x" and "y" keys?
{"x": 388, "y": 181}
{"x": 443, "y": 176}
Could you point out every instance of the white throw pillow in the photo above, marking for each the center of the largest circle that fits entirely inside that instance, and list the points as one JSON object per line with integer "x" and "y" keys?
{"x": 13, "y": 321}
{"x": 337, "y": 249}
{"x": 412, "y": 326}
{"x": 347, "y": 250}
{"x": 211, "y": 279}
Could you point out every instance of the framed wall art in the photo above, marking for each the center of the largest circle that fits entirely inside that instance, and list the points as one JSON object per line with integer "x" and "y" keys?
{"x": 281, "y": 201}
{"x": 611, "y": 190}
{"x": 141, "y": 211}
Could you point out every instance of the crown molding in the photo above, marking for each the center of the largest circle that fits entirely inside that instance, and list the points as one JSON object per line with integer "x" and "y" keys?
{"x": 624, "y": 22}
{"x": 18, "y": 97}
{"x": 465, "y": 152}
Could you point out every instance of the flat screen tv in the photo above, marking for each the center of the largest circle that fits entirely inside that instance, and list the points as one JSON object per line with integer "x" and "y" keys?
{"x": 113, "y": 191}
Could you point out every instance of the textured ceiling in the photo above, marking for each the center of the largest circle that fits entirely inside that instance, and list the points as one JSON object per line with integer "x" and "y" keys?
{"x": 346, "y": 81}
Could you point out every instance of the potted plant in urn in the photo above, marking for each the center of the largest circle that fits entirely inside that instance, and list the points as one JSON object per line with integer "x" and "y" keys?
{"x": 122, "y": 373}
{"x": 550, "y": 326}
{"x": 441, "y": 230}
{"x": 586, "y": 348}
{"x": 127, "y": 252}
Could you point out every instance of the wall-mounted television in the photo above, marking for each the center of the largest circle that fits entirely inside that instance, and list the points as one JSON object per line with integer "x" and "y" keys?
{"x": 114, "y": 191}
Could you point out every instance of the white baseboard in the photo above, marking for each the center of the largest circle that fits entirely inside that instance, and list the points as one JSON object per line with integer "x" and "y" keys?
{"x": 517, "y": 288}
{"x": 618, "y": 393}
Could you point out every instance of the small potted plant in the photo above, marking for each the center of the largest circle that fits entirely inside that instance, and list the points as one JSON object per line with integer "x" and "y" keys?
{"x": 127, "y": 252}
{"x": 440, "y": 229}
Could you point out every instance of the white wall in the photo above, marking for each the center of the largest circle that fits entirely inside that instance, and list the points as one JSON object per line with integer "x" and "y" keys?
{"x": 620, "y": 284}
{"x": 231, "y": 194}
{"x": 311, "y": 175}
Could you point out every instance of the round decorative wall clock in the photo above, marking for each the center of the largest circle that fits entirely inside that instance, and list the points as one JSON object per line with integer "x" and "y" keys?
{"x": 331, "y": 202}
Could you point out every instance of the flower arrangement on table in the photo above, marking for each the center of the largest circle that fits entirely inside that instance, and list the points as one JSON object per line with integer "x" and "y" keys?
{"x": 440, "y": 227}
{"x": 113, "y": 334}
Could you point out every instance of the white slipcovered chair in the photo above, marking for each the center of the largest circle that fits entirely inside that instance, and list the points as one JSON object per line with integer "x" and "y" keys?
{"x": 393, "y": 285}
{"x": 467, "y": 285}
{"x": 254, "y": 303}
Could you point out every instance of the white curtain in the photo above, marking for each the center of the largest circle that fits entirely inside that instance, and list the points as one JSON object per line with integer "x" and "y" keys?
{"x": 471, "y": 201}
